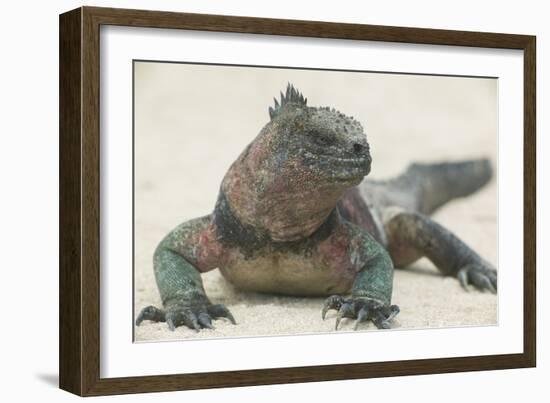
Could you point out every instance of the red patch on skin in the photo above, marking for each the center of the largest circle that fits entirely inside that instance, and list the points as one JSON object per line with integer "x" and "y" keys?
{"x": 334, "y": 251}
{"x": 209, "y": 252}
{"x": 353, "y": 208}
{"x": 258, "y": 152}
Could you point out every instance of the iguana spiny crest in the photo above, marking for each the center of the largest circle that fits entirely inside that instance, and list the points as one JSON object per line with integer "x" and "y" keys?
{"x": 292, "y": 96}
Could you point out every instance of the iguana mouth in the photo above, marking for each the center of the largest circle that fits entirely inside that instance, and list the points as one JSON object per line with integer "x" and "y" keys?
{"x": 349, "y": 174}
{"x": 340, "y": 169}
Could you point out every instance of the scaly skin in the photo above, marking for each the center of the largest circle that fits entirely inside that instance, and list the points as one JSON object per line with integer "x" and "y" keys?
{"x": 291, "y": 219}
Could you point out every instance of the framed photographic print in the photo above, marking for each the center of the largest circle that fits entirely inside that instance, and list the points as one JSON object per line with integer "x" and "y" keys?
{"x": 250, "y": 201}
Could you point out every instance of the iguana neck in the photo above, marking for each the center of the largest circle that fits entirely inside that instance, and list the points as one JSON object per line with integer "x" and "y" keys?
{"x": 275, "y": 195}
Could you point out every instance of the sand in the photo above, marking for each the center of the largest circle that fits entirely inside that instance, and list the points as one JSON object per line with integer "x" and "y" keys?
{"x": 193, "y": 121}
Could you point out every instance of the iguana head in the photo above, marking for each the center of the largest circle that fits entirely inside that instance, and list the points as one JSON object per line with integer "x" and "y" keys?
{"x": 331, "y": 146}
{"x": 289, "y": 179}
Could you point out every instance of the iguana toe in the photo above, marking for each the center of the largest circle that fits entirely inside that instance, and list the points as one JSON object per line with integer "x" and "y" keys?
{"x": 221, "y": 311}
{"x": 205, "y": 320}
{"x": 151, "y": 313}
{"x": 346, "y": 311}
{"x": 481, "y": 276}
{"x": 332, "y": 302}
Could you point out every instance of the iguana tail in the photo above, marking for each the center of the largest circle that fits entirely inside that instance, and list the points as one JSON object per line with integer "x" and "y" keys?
{"x": 440, "y": 183}
{"x": 426, "y": 187}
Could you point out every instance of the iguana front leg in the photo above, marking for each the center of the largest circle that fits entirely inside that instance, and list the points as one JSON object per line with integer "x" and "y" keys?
{"x": 413, "y": 235}
{"x": 372, "y": 287}
{"x": 179, "y": 259}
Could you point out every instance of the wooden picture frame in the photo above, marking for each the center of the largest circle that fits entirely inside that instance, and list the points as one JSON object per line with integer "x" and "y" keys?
{"x": 79, "y": 346}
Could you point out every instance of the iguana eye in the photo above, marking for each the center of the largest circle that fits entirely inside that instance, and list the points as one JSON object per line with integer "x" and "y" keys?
{"x": 322, "y": 140}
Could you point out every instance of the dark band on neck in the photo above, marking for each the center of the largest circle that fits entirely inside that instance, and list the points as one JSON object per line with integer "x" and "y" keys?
{"x": 251, "y": 240}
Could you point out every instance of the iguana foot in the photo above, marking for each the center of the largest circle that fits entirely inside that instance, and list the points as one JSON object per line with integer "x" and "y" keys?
{"x": 480, "y": 275}
{"x": 194, "y": 317}
{"x": 361, "y": 309}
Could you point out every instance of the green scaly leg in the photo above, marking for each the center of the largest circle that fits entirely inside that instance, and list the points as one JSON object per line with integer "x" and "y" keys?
{"x": 179, "y": 282}
{"x": 372, "y": 290}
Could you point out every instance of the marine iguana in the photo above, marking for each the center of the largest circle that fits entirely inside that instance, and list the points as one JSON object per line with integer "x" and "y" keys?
{"x": 295, "y": 216}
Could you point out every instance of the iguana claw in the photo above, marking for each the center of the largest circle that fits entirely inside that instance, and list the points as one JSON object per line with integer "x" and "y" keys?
{"x": 346, "y": 311}
{"x": 151, "y": 313}
{"x": 196, "y": 318}
{"x": 332, "y": 302}
{"x": 361, "y": 309}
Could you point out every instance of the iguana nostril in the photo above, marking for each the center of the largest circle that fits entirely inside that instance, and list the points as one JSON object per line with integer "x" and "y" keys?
{"x": 357, "y": 147}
